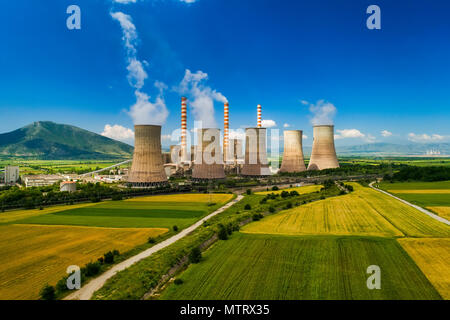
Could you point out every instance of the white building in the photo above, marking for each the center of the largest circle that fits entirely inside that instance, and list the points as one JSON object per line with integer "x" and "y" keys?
{"x": 11, "y": 175}
{"x": 41, "y": 180}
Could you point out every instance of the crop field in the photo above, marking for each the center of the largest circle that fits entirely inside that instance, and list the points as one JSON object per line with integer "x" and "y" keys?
{"x": 11, "y": 216}
{"x": 295, "y": 268}
{"x": 439, "y": 185}
{"x": 444, "y": 212}
{"x": 146, "y": 212}
{"x": 433, "y": 258}
{"x": 300, "y": 190}
{"x": 32, "y": 256}
{"x": 363, "y": 212}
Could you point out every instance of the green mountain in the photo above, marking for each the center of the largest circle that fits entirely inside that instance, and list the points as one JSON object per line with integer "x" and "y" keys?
{"x": 51, "y": 141}
{"x": 418, "y": 149}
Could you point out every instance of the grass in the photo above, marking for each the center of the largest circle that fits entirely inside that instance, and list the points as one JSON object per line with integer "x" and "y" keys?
{"x": 35, "y": 255}
{"x": 443, "y": 212}
{"x": 427, "y": 200}
{"x": 300, "y": 190}
{"x": 439, "y": 185}
{"x": 146, "y": 212}
{"x": 261, "y": 267}
{"x": 363, "y": 212}
{"x": 433, "y": 258}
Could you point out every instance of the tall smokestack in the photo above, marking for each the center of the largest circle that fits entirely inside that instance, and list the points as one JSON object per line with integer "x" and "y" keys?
{"x": 184, "y": 157}
{"x": 208, "y": 163}
{"x": 259, "y": 116}
{"x": 256, "y": 163}
{"x": 226, "y": 130}
{"x": 324, "y": 152}
{"x": 293, "y": 152}
{"x": 147, "y": 169}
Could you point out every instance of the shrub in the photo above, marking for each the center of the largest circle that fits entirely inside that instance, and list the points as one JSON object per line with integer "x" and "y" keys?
{"x": 248, "y": 207}
{"x": 230, "y": 229}
{"x": 294, "y": 193}
{"x": 285, "y": 194}
{"x": 257, "y": 216}
{"x": 117, "y": 197}
{"x": 289, "y": 205}
{"x": 223, "y": 234}
{"x": 195, "y": 256}
{"x": 151, "y": 240}
{"x": 249, "y": 192}
{"x": 263, "y": 201}
{"x": 275, "y": 188}
{"x": 101, "y": 260}
{"x": 108, "y": 257}
{"x": 175, "y": 228}
{"x": 92, "y": 269}
{"x": 178, "y": 282}
{"x": 272, "y": 210}
{"x": 342, "y": 192}
{"x": 48, "y": 293}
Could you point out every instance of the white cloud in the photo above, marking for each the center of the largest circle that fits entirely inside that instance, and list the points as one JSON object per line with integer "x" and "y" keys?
{"x": 323, "y": 112}
{"x": 268, "y": 124}
{"x": 286, "y": 125}
{"x": 143, "y": 111}
{"x": 124, "y": 1}
{"x": 304, "y": 102}
{"x": 349, "y": 133}
{"x": 118, "y": 132}
{"x": 305, "y": 137}
{"x": 202, "y": 97}
{"x": 386, "y": 133}
{"x": 166, "y": 137}
{"x": 425, "y": 137}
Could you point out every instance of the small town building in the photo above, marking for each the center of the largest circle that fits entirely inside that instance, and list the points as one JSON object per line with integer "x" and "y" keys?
{"x": 68, "y": 186}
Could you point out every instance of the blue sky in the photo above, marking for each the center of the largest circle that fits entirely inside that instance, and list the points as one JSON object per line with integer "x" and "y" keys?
{"x": 276, "y": 53}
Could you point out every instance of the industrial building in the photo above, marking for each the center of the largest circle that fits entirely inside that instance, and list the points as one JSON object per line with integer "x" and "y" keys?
{"x": 11, "y": 174}
{"x": 293, "y": 160}
{"x": 147, "y": 169}
{"x": 41, "y": 180}
{"x": 208, "y": 162}
{"x": 323, "y": 154}
{"x": 68, "y": 186}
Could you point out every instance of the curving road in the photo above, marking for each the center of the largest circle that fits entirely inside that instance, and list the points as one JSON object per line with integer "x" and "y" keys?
{"x": 86, "y": 292}
{"x": 429, "y": 213}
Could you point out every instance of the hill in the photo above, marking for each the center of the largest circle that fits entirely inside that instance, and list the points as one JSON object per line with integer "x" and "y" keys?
{"x": 51, "y": 141}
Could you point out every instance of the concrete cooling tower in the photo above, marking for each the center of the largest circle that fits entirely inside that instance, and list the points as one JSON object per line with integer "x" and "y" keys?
{"x": 256, "y": 163}
{"x": 208, "y": 163}
{"x": 324, "y": 152}
{"x": 293, "y": 152}
{"x": 147, "y": 169}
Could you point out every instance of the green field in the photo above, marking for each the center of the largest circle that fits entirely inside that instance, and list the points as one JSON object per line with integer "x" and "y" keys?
{"x": 134, "y": 214}
{"x": 425, "y": 196}
{"x": 438, "y": 185}
{"x": 263, "y": 267}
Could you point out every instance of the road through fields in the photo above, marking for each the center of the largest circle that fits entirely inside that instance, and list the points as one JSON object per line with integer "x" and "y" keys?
{"x": 432, "y": 215}
{"x": 86, "y": 292}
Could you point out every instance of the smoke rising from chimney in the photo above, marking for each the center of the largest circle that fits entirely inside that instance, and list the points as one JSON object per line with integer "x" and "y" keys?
{"x": 202, "y": 97}
{"x": 323, "y": 112}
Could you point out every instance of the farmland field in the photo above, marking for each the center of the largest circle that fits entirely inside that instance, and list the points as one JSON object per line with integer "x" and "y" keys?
{"x": 363, "y": 212}
{"x": 264, "y": 267}
{"x": 146, "y": 212}
{"x": 300, "y": 190}
{"x": 35, "y": 255}
{"x": 433, "y": 258}
{"x": 443, "y": 212}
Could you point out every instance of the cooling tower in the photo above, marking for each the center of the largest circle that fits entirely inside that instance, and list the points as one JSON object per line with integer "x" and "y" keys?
{"x": 147, "y": 168}
{"x": 324, "y": 152}
{"x": 208, "y": 163}
{"x": 256, "y": 164}
{"x": 293, "y": 152}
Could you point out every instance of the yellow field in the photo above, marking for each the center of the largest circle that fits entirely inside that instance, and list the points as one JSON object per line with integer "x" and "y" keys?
{"x": 443, "y": 212}
{"x": 429, "y": 191}
{"x": 433, "y": 258}
{"x": 40, "y": 254}
{"x": 10, "y": 216}
{"x": 363, "y": 212}
{"x": 201, "y": 198}
{"x": 300, "y": 190}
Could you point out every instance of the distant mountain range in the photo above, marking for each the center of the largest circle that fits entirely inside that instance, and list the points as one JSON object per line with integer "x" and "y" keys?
{"x": 51, "y": 141}
{"x": 383, "y": 149}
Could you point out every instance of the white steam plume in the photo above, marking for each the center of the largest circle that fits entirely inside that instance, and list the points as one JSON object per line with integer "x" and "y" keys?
{"x": 143, "y": 111}
{"x": 202, "y": 97}
{"x": 323, "y": 112}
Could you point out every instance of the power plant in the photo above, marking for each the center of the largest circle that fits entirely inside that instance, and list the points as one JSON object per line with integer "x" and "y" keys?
{"x": 208, "y": 164}
{"x": 323, "y": 154}
{"x": 147, "y": 169}
{"x": 256, "y": 164}
{"x": 209, "y": 160}
{"x": 293, "y": 160}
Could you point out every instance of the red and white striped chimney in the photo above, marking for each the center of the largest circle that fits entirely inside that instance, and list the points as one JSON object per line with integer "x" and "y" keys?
{"x": 259, "y": 116}
{"x": 183, "y": 128}
{"x": 226, "y": 129}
